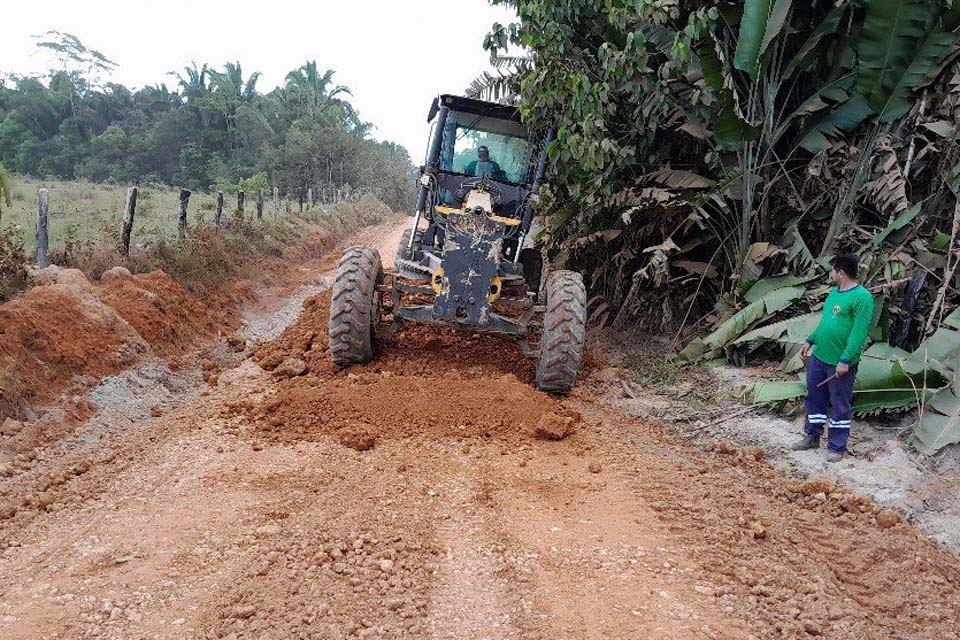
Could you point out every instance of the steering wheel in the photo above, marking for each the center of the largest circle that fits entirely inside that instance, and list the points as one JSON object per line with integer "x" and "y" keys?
{"x": 480, "y": 184}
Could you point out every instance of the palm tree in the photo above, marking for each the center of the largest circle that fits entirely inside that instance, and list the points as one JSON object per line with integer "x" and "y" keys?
{"x": 195, "y": 83}
{"x": 310, "y": 89}
{"x": 228, "y": 91}
{"x": 6, "y": 187}
{"x": 230, "y": 81}
{"x": 502, "y": 86}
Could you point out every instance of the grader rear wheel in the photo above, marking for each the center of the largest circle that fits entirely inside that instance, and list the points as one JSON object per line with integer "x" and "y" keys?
{"x": 353, "y": 307}
{"x": 564, "y": 332}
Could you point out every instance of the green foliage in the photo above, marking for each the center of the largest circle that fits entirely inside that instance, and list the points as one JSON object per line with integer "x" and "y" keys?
{"x": 815, "y": 127}
{"x": 940, "y": 423}
{"x": 217, "y": 128}
{"x": 13, "y": 264}
{"x": 762, "y": 308}
{"x": 255, "y": 183}
{"x": 762, "y": 21}
{"x": 6, "y": 188}
{"x": 898, "y": 53}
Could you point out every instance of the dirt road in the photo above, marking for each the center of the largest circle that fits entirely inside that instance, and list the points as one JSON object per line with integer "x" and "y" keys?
{"x": 437, "y": 494}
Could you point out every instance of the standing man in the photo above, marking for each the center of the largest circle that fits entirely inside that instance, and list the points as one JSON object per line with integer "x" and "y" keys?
{"x": 836, "y": 346}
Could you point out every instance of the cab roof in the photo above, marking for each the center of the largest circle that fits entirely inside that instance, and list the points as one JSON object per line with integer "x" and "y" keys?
{"x": 473, "y": 106}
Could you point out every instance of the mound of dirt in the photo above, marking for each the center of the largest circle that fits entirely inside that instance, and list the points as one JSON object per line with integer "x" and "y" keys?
{"x": 304, "y": 340}
{"x": 427, "y": 381}
{"x": 164, "y": 313}
{"x": 56, "y": 331}
{"x": 67, "y": 330}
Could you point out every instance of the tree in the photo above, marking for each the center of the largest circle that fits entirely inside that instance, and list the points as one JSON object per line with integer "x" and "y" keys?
{"x": 310, "y": 91}
{"x": 195, "y": 83}
{"x": 215, "y": 128}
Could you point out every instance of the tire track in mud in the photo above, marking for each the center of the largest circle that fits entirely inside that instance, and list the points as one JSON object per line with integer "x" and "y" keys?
{"x": 415, "y": 498}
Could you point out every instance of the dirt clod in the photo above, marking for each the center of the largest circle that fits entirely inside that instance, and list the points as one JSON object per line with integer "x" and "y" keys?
{"x": 290, "y": 368}
{"x": 595, "y": 467}
{"x": 887, "y": 519}
{"x": 812, "y": 628}
{"x": 359, "y": 438}
{"x": 758, "y": 531}
{"x": 816, "y": 486}
{"x": 554, "y": 427}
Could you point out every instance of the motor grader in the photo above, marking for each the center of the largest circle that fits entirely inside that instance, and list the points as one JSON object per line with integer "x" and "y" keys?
{"x": 467, "y": 260}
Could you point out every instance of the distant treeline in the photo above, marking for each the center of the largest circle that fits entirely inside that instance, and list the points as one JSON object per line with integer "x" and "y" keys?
{"x": 213, "y": 131}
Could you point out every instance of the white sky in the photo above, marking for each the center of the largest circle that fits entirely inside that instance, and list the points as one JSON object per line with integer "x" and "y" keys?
{"x": 395, "y": 56}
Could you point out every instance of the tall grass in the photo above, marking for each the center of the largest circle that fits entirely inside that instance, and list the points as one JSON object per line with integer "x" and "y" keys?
{"x": 85, "y": 220}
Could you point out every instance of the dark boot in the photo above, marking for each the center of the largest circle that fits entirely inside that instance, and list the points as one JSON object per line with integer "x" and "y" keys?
{"x": 808, "y": 442}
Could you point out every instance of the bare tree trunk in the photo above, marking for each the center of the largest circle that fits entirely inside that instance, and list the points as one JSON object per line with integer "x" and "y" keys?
{"x": 309, "y": 198}
{"x": 276, "y": 202}
{"x": 128, "y": 212}
{"x": 260, "y": 204}
{"x": 218, "y": 214}
{"x": 241, "y": 199}
{"x": 182, "y": 217}
{"x": 300, "y": 198}
{"x": 43, "y": 228}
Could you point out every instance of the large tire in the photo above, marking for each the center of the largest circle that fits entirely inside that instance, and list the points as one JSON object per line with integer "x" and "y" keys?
{"x": 564, "y": 332}
{"x": 353, "y": 307}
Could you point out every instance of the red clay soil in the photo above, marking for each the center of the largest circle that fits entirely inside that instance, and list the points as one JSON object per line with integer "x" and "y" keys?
{"x": 68, "y": 331}
{"x": 425, "y": 379}
{"x": 55, "y": 332}
{"x": 169, "y": 318}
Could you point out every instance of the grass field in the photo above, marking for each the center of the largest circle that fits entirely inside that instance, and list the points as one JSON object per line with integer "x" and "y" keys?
{"x": 85, "y": 224}
{"x": 85, "y": 211}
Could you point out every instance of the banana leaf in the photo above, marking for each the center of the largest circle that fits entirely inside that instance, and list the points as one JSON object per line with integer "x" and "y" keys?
{"x": 762, "y": 21}
{"x": 754, "y": 312}
{"x": 939, "y": 424}
{"x": 826, "y": 28}
{"x": 728, "y": 129}
{"x": 938, "y": 50}
{"x": 773, "y": 392}
{"x": 791, "y": 331}
{"x": 953, "y": 320}
{"x": 845, "y": 117}
{"x": 882, "y": 384}
{"x": 901, "y": 221}
{"x": 940, "y": 352}
{"x": 765, "y": 285}
{"x": 892, "y": 33}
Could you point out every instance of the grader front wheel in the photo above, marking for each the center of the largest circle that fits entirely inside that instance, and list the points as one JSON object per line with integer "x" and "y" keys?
{"x": 564, "y": 332}
{"x": 353, "y": 307}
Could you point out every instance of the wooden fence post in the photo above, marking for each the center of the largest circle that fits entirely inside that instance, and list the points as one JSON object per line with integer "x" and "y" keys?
{"x": 300, "y": 198}
{"x": 218, "y": 213}
{"x": 260, "y": 204}
{"x": 276, "y": 201}
{"x": 128, "y": 212}
{"x": 182, "y": 218}
{"x": 241, "y": 199}
{"x": 43, "y": 228}
{"x": 309, "y": 198}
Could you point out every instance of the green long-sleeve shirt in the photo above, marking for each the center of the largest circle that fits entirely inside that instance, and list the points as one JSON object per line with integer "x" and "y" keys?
{"x": 842, "y": 332}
